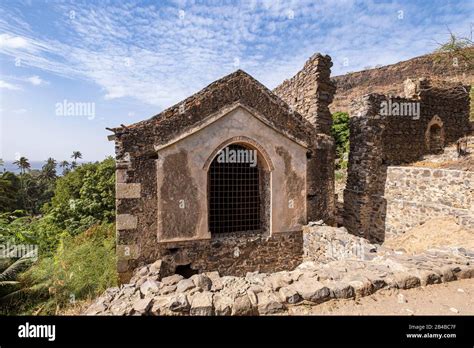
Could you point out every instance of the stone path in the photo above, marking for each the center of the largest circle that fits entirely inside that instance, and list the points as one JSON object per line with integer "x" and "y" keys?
{"x": 452, "y": 298}
{"x": 323, "y": 276}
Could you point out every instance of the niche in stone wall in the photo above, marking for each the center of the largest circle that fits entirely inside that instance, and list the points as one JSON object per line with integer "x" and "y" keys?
{"x": 434, "y": 136}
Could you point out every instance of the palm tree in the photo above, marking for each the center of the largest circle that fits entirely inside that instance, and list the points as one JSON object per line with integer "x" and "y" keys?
{"x": 48, "y": 172}
{"x": 65, "y": 166}
{"x": 23, "y": 164}
{"x": 75, "y": 156}
{"x": 11, "y": 287}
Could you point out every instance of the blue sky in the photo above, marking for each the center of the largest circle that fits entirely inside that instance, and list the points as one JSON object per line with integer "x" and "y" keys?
{"x": 130, "y": 60}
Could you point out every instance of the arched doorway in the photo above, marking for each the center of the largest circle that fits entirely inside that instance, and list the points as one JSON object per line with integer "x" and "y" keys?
{"x": 237, "y": 192}
{"x": 435, "y": 139}
{"x": 434, "y": 136}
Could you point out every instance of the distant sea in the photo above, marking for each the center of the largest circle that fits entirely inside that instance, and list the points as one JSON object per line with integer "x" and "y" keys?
{"x": 8, "y": 166}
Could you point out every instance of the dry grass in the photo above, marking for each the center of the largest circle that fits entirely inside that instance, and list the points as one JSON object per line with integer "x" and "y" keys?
{"x": 75, "y": 309}
{"x": 440, "y": 232}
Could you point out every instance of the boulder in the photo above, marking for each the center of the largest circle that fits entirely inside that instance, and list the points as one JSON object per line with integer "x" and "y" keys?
{"x": 466, "y": 272}
{"x": 269, "y": 303}
{"x": 215, "y": 280}
{"x": 172, "y": 280}
{"x": 252, "y": 297}
{"x": 447, "y": 274}
{"x": 110, "y": 293}
{"x": 362, "y": 286}
{"x": 201, "y": 304}
{"x": 121, "y": 307}
{"x": 202, "y": 281}
{"x": 149, "y": 287}
{"x": 96, "y": 308}
{"x": 179, "y": 303}
{"x": 428, "y": 277}
{"x": 289, "y": 295}
{"x": 140, "y": 281}
{"x": 312, "y": 290}
{"x": 243, "y": 306}
{"x": 404, "y": 280}
{"x": 255, "y": 278}
{"x": 126, "y": 291}
{"x": 222, "y": 304}
{"x": 184, "y": 285}
{"x": 143, "y": 305}
{"x": 156, "y": 268}
{"x": 341, "y": 289}
{"x": 168, "y": 289}
{"x": 278, "y": 280}
{"x": 161, "y": 306}
{"x": 141, "y": 272}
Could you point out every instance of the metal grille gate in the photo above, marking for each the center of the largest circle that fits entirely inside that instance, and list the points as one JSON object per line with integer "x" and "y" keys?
{"x": 234, "y": 196}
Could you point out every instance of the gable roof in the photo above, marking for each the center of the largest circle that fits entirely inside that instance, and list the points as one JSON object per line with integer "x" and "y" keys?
{"x": 238, "y": 87}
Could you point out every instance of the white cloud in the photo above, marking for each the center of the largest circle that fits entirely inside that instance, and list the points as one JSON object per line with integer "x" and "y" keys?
{"x": 6, "y": 85}
{"x": 20, "y": 111}
{"x": 36, "y": 80}
{"x": 156, "y": 56}
{"x": 9, "y": 41}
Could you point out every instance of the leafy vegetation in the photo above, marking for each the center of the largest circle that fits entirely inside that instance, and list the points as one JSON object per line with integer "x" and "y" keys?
{"x": 340, "y": 133}
{"x": 456, "y": 50}
{"x": 69, "y": 220}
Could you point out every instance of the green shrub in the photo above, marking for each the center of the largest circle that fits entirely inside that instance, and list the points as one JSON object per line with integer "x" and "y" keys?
{"x": 17, "y": 228}
{"x": 84, "y": 197}
{"x": 340, "y": 133}
{"x": 82, "y": 267}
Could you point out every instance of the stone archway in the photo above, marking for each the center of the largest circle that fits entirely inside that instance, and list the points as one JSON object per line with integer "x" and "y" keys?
{"x": 238, "y": 191}
{"x": 434, "y": 136}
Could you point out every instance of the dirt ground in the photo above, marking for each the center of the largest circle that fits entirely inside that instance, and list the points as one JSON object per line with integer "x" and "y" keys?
{"x": 449, "y": 158}
{"x": 439, "y": 232}
{"x": 454, "y": 298}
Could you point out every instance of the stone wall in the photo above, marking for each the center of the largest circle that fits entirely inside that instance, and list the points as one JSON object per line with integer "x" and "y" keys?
{"x": 235, "y": 253}
{"x": 378, "y": 140}
{"x": 311, "y": 91}
{"x": 415, "y": 195}
{"x": 389, "y": 79}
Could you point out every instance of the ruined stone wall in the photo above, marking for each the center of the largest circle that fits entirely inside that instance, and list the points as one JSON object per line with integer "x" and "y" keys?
{"x": 235, "y": 253}
{"x": 378, "y": 140}
{"x": 320, "y": 179}
{"x": 389, "y": 79}
{"x": 415, "y": 195}
{"x": 310, "y": 92}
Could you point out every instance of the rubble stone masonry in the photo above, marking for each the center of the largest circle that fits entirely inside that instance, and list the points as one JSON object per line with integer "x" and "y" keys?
{"x": 311, "y": 91}
{"x": 415, "y": 195}
{"x": 379, "y": 140}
